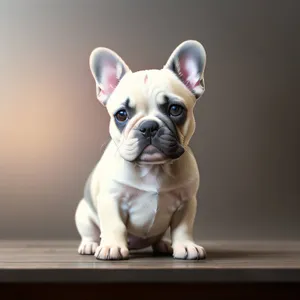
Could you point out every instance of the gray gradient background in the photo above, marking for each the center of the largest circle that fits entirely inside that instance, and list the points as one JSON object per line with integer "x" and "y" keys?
{"x": 247, "y": 138}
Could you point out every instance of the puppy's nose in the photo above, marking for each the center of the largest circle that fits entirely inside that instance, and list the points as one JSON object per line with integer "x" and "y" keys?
{"x": 149, "y": 128}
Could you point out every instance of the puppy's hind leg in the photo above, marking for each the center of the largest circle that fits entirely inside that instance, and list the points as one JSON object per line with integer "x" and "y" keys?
{"x": 163, "y": 246}
{"x": 86, "y": 223}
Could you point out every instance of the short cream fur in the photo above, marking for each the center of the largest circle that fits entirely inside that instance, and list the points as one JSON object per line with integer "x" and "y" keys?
{"x": 130, "y": 203}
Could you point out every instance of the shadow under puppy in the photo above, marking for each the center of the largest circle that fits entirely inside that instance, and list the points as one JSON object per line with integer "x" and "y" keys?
{"x": 147, "y": 178}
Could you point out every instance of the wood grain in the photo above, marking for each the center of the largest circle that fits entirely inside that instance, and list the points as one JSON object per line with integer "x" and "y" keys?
{"x": 227, "y": 261}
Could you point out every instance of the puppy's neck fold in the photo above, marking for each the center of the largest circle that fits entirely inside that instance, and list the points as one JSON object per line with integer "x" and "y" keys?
{"x": 158, "y": 170}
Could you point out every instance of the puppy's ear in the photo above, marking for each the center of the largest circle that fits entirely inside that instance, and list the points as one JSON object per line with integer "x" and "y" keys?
{"x": 108, "y": 69}
{"x": 188, "y": 62}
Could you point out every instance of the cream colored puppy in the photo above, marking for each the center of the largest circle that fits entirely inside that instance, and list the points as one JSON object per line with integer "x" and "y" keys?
{"x": 147, "y": 178}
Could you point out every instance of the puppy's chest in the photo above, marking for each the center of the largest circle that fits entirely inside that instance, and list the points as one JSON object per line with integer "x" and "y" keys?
{"x": 149, "y": 212}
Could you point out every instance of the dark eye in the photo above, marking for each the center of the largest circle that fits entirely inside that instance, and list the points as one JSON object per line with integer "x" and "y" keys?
{"x": 121, "y": 115}
{"x": 175, "y": 110}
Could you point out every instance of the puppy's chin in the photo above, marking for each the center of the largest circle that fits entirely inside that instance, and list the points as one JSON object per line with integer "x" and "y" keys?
{"x": 151, "y": 155}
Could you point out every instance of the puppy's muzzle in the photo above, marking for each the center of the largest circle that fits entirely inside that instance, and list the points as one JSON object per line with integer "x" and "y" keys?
{"x": 149, "y": 128}
{"x": 153, "y": 136}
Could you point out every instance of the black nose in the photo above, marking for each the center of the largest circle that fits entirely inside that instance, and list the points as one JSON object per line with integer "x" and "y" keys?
{"x": 149, "y": 128}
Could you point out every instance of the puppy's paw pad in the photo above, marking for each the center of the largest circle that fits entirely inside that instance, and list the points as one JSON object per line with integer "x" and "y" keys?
{"x": 162, "y": 247}
{"x": 189, "y": 251}
{"x": 111, "y": 253}
{"x": 87, "y": 248}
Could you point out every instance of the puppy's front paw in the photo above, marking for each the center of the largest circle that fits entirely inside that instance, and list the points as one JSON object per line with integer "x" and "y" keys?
{"x": 188, "y": 250}
{"x": 87, "y": 248}
{"x": 111, "y": 253}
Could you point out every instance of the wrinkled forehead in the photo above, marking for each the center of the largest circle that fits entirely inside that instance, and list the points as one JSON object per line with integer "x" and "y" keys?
{"x": 145, "y": 90}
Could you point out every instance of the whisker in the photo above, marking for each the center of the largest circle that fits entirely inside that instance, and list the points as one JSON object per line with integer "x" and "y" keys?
{"x": 104, "y": 144}
{"x": 118, "y": 147}
{"x": 129, "y": 147}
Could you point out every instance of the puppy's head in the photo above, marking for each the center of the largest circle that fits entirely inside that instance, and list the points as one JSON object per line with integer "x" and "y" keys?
{"x": 151, "y": 111}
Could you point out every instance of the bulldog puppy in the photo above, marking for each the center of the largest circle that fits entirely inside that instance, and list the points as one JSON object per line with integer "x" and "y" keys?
{"x": 147, "y": 178}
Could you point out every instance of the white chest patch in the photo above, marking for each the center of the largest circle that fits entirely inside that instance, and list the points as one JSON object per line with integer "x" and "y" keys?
{"x": 150, "y": 212}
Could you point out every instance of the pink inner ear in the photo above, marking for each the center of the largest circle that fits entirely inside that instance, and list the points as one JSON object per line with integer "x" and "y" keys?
{"x": 188, "y": 72}
{"x": 110, "y": 79}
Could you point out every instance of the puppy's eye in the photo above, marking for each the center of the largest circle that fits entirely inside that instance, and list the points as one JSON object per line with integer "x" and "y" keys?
{"x": 121, "y": 115}
{"x": 175, "y": 110}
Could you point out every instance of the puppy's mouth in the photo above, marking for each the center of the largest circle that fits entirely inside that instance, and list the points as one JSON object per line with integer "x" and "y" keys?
{"x": 151, "y": 155}
{"x": 160, "y": 147}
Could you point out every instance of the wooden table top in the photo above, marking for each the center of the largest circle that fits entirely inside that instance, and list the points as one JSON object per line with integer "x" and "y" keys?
{"x": 227, "y": 261}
